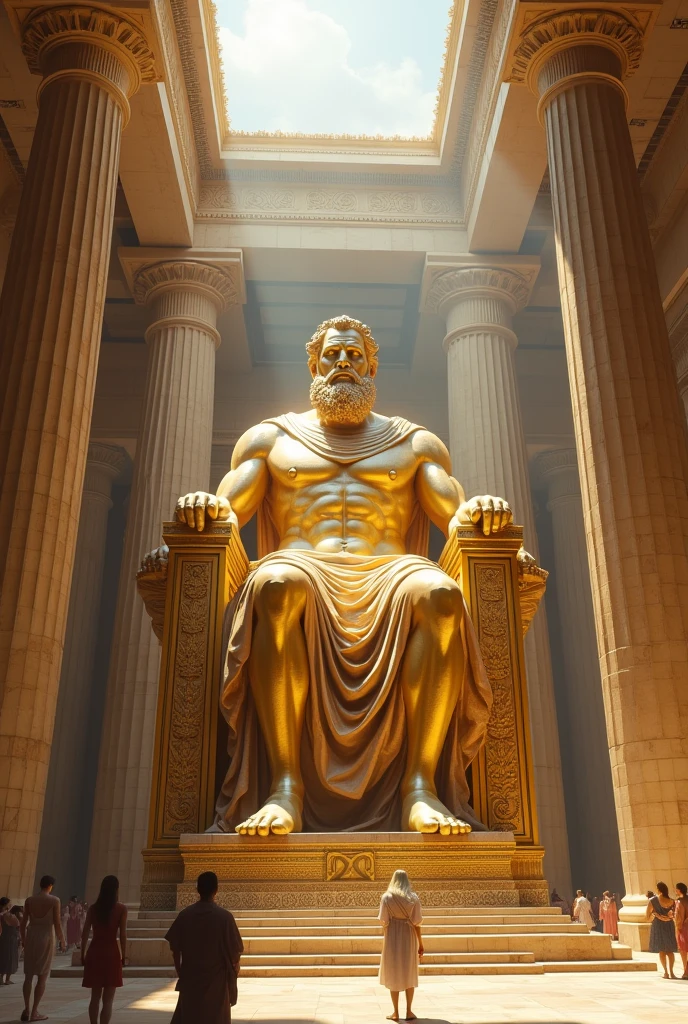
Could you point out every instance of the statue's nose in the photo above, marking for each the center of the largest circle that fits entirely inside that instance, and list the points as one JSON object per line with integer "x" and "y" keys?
{"x": 343, "y": 364}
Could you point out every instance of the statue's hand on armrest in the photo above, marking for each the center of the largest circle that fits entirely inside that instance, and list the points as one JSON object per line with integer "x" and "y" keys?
{"x": 194, "y": 508}
{"x": 155, "y": 560}
{"x": 491, "y": 514}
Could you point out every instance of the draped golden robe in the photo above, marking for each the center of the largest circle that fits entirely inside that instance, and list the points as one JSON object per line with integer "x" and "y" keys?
{"x": 357, "y": 622}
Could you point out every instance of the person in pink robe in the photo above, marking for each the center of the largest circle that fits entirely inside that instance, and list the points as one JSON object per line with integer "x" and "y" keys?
{"x": 609, "y": 915}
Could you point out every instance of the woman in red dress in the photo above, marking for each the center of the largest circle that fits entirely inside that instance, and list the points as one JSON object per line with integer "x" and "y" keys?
{"x": 102, "y": 960}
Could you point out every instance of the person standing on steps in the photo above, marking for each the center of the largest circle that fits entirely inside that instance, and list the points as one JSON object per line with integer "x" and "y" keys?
{"x": 103, "y": 959}
{"x": 207, "y": 947}
{"x": 582, "y": 911}
{"x": 660, "y": 910}
{"x": 609, "y": 915}
{"x": 402, "y": 943}
{"x": 39, "y": 925}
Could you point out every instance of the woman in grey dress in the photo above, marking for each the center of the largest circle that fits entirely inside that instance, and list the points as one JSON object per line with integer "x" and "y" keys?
{"x": 660, "y": 910}
{"x": 40, "y": 923}
{"x": 9, "y": 943}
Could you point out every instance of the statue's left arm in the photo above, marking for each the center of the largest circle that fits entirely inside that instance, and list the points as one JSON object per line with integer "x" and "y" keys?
{"x": 442, "y": 497}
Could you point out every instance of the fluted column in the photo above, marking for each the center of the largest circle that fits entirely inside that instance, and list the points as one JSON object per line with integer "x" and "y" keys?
{"x": 478, "y": 297}
{"x": 630, "y": 435}
{"x": 62, "y": 849}
{"x": 91, "y": 59}
{"x": 596, "y": 865}
{"x": 172, "y": 457}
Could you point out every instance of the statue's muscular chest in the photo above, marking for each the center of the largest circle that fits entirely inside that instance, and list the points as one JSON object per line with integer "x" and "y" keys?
{"x": 300, "y": 478}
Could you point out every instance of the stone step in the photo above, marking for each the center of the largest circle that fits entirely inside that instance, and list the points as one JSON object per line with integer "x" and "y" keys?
{"x": 164, "y": 916}
{"x": 367, "y": 959}
{"x": 544, "y": 946}
{"x": 335, "y": 930}
{"x": 343, "y": 969}
{"x": 571, "y": 966}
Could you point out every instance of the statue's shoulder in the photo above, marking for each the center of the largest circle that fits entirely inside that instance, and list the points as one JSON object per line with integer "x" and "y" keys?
{"x": 429, "y": 448}
{"x": 256, "y": 443}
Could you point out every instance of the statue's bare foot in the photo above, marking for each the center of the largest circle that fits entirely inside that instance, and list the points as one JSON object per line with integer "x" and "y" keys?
{"x": 280, "y": 815}
{"x": 423, "y": 812}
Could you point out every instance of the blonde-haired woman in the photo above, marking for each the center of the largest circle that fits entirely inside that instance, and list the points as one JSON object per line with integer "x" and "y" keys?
{"x": 402, "y": 943}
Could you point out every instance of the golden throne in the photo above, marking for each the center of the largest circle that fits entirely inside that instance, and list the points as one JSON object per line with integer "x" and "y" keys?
{"x": 186, "y": 598}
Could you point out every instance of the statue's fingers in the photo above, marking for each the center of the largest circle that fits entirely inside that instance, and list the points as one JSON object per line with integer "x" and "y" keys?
{"x": 189, "y": 510}
{"x": 199, "y": 514}
{"x": 179, "y": 511}
{"x": 475, "y": 510}
{"x": 508, "y": 515}
{"x": 488, "y": 515}
{"x": 212, "y": 506}
{"x": 497, "y": 519}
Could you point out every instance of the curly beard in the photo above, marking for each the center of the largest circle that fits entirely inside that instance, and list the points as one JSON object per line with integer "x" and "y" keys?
{"x": 345, "y": 403}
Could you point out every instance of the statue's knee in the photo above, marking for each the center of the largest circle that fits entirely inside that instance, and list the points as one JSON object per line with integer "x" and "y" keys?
{"x": 442, "y": 601}
{"x": 279, "y": 592}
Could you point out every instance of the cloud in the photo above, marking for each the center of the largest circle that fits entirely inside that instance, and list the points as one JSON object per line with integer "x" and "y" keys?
{"x": 294, "y": 70}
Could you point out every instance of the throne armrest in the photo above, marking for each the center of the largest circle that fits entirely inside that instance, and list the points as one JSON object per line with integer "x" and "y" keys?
{"x": 151, "y": 579}
{"x": 532, "y": 580}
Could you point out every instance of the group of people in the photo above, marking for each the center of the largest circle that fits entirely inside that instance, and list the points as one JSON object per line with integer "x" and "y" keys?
{"x": 669, "y": 931}
{"x": 599, "y": 914}
{"x": 669, "y": 917}
{"x": 36, "y": 925}
{"x": 205, "y": 942}
{"x": 73, "y": 920}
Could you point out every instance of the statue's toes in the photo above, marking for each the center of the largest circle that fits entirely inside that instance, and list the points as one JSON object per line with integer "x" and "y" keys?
{"x": 280, "y": 827}
{"x": 241, "y": 829}
{"x": 263, "y": 827}
{"x": 251, "y": 828}
{"x": 445, "y": 826}
{"x": 454, "y": 827}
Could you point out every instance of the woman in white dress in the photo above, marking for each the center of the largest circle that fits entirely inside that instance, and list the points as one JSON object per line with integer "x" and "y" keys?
{"x": 402, "y": 943}
{"x": 582, "y": 910}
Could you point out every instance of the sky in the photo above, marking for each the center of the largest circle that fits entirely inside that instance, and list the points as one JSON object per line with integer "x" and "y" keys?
{"x": 361, "y": 67}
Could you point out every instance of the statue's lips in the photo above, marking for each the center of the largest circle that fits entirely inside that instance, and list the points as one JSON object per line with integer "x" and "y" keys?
{"x": 343, "y": 375}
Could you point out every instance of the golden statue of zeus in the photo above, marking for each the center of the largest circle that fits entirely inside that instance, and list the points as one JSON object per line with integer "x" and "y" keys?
{"x": 353, "y": 687}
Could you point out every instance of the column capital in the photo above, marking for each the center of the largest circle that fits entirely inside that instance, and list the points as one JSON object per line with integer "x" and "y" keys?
{"x": 557, "y": 470}
{"x": 108, "y": 457}
{"x": 543, "y": 30}
{"x": 84, "y": 40}
{"x": 216, "y": 273}
{"x": 447, "y": 280}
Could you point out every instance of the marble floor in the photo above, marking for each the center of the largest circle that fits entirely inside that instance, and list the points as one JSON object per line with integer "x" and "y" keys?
{"x": 580, "y": 998}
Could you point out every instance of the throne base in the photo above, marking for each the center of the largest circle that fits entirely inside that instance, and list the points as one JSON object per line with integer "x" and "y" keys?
{"x": 328, "y": 870}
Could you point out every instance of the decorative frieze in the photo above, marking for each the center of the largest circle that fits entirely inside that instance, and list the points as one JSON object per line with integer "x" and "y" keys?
{"x": 222, "y": 201}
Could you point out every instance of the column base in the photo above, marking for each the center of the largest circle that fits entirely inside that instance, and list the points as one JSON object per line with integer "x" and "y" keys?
{"x": 634, "y": 928}
{"x": 637, "y": 936}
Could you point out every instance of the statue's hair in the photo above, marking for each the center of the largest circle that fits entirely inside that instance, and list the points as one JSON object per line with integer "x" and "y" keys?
{"x": 342, "y": 323}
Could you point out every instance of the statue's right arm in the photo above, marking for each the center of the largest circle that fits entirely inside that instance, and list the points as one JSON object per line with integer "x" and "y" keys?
{"x": 241, "y": 490}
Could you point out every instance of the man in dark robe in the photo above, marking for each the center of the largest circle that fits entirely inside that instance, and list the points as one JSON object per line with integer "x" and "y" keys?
{"x": 206, "y": 946}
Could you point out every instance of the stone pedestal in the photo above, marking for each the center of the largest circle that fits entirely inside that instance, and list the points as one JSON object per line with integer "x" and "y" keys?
{"x": 186, "y": 289}
{"x": 588, "y": 779}
{"x": 478, "y": 296}
{"x": 63, "y": 848}
{"x": 351, "y": 869}
{"x": 630, "y": 431}
{"x": 92, "y": 59}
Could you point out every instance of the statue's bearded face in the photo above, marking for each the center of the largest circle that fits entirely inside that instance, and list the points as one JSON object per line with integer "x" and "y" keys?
{"x": 342, "y": 391}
